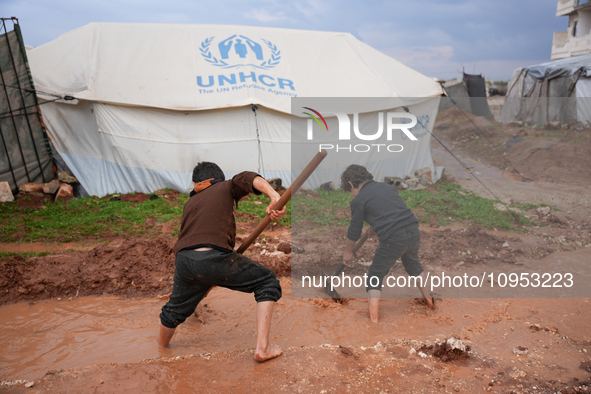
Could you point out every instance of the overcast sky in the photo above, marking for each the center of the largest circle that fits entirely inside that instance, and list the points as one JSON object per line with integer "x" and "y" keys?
{"x": 435, "y": 37}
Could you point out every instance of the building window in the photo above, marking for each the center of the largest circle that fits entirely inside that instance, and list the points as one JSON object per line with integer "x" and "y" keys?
{"x": 575, "y": 29}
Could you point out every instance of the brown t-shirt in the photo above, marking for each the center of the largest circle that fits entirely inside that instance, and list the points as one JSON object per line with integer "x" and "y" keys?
{"x": 208, "y": 216}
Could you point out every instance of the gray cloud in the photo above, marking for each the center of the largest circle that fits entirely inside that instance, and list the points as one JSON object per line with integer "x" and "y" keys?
{"x": 433, "y": 36}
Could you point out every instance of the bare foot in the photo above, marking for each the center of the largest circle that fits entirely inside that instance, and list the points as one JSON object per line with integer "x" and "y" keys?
{"x": 430, "y": 302}
{"x": 270, "y": 352}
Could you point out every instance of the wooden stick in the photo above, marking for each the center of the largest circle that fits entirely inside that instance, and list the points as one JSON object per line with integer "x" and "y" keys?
{"x": 293, "y": 189}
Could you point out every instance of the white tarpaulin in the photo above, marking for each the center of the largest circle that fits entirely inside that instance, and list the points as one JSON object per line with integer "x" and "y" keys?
{"x": 155, "y": 99}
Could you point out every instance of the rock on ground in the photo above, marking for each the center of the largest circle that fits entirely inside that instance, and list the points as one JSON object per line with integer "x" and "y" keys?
{"x": 30, "y": 187}
{"x": 65, "y": 193}
{"x": 5, "y": 192}
{"x": 51, "y": 187}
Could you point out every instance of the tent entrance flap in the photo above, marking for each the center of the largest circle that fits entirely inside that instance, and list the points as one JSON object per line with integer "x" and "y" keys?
{"x": 24, "y": 148}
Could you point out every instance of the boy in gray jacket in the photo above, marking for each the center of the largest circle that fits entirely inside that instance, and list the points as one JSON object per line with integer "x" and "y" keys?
{"x": 397, "y": 228}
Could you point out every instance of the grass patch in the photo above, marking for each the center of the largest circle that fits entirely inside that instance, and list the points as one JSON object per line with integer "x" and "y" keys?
{"x": 452, "y": 203}
{"x": 256, "y": 206}
{"x": 92, "y": 217}
{"x": 322, "y": 207}
{"x": 449, "y": 204}
{"x": 88, "y": 217}
{"x": 24, "y": 254}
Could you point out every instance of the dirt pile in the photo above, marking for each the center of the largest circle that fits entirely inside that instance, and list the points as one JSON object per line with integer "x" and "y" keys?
{"x": 448, "y": 350}
{"x": 272, "y": 252}
{"x": 538, "y": 154}
{"x": 137, "y": 267}
{"x": 474, "y": 245}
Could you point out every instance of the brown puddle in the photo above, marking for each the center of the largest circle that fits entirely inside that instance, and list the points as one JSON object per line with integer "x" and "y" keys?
{"x": 53, "y": 335}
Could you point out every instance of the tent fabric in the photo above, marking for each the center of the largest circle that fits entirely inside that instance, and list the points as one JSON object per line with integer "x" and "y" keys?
{"x": 25, "y": 155}
{"x": 157, "y": 65}
{"x": 155, "y": 99}
{"x": 477, "y": 91}
{"x": 550, "y": 92}
{"x": 118, "y": 149}
{"x": 561, "y": 68}
{"x": 459, "y": 94}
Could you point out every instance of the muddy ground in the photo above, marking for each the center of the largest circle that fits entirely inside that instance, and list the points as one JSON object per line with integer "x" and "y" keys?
{"x": 63, "y": 341}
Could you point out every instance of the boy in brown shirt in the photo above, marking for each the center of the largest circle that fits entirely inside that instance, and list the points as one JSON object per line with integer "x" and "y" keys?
{"x": 205, "y": 256}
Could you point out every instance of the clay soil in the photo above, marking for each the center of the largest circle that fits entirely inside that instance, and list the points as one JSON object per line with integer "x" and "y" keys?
{"x": 330, "y": 347}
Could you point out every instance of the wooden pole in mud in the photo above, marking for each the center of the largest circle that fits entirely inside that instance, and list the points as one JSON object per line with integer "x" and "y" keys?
{"x": 293, "y": 189}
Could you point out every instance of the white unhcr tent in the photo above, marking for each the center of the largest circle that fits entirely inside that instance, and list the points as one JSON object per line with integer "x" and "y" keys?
{"x": 152, "y": 100}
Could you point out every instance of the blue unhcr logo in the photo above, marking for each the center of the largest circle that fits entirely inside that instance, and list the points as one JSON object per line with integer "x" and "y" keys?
{"x": 236, "y": 51}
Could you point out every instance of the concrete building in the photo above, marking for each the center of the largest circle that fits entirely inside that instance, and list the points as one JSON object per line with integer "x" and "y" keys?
{"x": 576, "y": 40}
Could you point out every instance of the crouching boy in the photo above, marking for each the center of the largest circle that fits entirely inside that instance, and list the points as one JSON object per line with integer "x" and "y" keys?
{"x": 397, "y": 228}
{"x": 205, "y": 255}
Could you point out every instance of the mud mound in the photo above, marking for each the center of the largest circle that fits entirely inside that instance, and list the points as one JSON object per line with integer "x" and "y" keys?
{"x": 454, "y": 124}
{"x": 135, "y": 197}
{"x": 537, "y": 154}
{"x": 32, "y": 200}
{"x": 136, "y": 267}
{"x": 448, "y": 350}
{"x": 473, "y": 245}
{"x": 271, "y": 256}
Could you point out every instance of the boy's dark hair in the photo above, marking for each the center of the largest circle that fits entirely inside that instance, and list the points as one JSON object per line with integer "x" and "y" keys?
{"x": 207, "y": 170}
{"x": 355, "y": 174}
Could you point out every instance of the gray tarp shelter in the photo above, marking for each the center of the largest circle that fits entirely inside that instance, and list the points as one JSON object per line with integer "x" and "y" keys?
{"x": 24, "y": 149}
{"x": 553, "y": 92}
{"x": 469, "y": 95}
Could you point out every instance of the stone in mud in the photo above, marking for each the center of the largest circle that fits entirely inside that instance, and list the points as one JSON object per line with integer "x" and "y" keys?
{"x": 426, "y": 172}
{"x": 543, "y": 211}
{"x": 424, "y": 180}
{"x": 5, "y": 192}
{"x": 346, "y": 351}
{"x": 66, "y": 178}
{"x": 65, "y": 193}
{"x": 520, "y": 351}
{"x": 412, "y": 182}
{"x": 284, "y": 247}
{"x": 30, "y": 187}
{"x": 448, "y": 350}
{"x": 51, "y": 187}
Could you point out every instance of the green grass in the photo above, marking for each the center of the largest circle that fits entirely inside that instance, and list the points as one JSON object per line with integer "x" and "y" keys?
{"x": 321, "y": 207}
{"x": 88, "y": 217}
{"x": 450, "y": 204}
{"x": 91, "y": 217}
{"x": 24, "y": 254}
{"x": 251, "y": 206}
